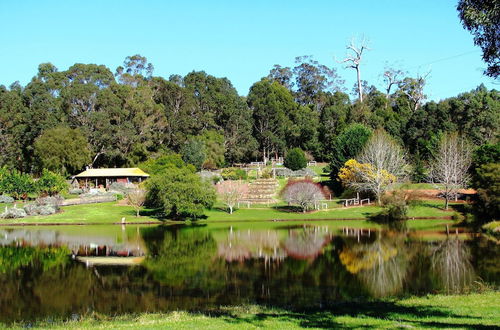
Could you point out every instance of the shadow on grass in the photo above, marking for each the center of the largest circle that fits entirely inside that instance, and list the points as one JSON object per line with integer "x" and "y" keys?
{"x": 288, "y": 209}
{"x": 371, "y": 314}
{"x": 160, "y": 215}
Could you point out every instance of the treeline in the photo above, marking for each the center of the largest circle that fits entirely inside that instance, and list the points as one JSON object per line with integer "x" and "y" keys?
{"x": 90, "y": 116}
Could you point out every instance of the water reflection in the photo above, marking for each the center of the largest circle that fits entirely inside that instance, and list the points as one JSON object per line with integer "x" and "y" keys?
{"x": 451, "y": 265}
{"x": 197, "y": 267}
{"x": 380, "y": 265}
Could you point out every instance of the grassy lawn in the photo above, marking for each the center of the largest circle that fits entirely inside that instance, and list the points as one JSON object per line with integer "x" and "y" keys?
{"x": 101, "y": 213}
{"x": 111, "y": 213}
{"x": 478, "y": 311}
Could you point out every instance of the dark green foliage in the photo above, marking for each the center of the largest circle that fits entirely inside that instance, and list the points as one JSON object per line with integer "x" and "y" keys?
{"x": 50, "y": 183}
{"x": 482, "y": 19}
{"x": 62, "y": 150}
{"x": 194, "y": 152}
{"x": 214, "y": 148}
{"x": 487, "y": 184}
{"x": 162, "y": 164}
{"x": 295, "y": 159}
{"x": 346, "y": 146}
{"x": 271, "y": 103}
{"x": 180, "y": 193}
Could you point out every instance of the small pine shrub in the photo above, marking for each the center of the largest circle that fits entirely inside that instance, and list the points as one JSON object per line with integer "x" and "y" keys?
{"x": 295, "y": 159}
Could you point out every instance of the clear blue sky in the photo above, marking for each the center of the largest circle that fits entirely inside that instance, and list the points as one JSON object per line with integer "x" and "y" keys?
{"x": 242, "y": 40}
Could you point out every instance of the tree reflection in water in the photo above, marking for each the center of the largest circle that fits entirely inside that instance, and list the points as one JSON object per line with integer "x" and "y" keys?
{"x": 450, "y": 263}
{"x": 381, "y": 265}
{"x": 303, "y": 243}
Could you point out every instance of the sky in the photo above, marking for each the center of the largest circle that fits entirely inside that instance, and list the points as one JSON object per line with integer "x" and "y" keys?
{"x": 242, "y": 40}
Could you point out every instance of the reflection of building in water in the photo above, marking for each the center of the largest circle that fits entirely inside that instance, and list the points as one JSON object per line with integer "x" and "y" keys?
{"x": 304, "y": 243}
{"x": 79, "y": 245}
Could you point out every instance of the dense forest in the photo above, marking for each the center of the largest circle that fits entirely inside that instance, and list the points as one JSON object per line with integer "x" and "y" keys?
{"x": 90, "y": 116}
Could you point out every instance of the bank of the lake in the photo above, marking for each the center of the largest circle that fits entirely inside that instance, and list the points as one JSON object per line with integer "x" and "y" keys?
{"x": 478, "y": 310}
{"x": 113, "y": 213}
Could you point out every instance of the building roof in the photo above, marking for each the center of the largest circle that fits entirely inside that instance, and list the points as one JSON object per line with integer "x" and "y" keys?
{"x": 112, "y": 172}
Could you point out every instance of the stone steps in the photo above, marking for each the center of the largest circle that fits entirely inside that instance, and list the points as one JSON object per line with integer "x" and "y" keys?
{"x": 261, "y": 191}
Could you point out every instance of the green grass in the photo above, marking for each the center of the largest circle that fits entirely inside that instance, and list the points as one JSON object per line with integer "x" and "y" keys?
{"x": 88, "y": 213}
{"x": 479, "y": 310}
{"x": 111, "y": 213}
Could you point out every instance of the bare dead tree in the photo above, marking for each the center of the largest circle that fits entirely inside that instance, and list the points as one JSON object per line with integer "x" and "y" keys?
{"x": 450, "y": 167}
{"x": 354, "y": 61}
{"x": 231, "y": 192}
{"x": 387, "y": 164}
{"x": 136, "y": 198}
{"x": 392, "y": 77}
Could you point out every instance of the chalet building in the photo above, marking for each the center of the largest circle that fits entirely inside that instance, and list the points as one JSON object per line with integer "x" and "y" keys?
{"x": 104, "y": 177}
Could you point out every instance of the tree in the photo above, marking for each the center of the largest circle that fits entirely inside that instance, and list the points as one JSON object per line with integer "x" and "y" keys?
{"x": 450, "y": 167}
{"x": 295, "y": 159}
{"x": 214, "y": 148}
{"x": 412, "y": 90}
{"x": 355, "y": 61}
{"x": 194, "y": 152}
{"x": 180, "y": 193}
{"x": 349, "y": 143}
{"x": 231, "y": 192}
{"x": 136, "y": 69}
{"x": 312, "y": 80}
{"x": 63, "y": 150}
{"x": 50, "y": 183}
{"x": 487, "y": 183}
{"x": 392, "y": 77}
{"x": 482, "y": 19}
{"x": 381, "y": 164}
{"x": 271, "y": 103}
{"x": 304, "y": 193}
{"x": 136, "y": 198}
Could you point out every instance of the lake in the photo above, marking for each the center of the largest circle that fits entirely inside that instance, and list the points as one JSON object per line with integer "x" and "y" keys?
{"x": 70, "y": 271}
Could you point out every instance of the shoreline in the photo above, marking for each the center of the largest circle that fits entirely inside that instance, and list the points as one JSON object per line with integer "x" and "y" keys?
{"x": 24, "y": 224}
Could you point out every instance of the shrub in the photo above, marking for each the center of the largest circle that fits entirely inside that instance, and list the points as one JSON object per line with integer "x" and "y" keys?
{"x": 13, "y": 213}
{"x": 395, "y": 209}
{"x": 180, "y": 193}
{"x": 44, "y": 206}
{"x": 304, "y": 193}
{"x": 6, "y": 199}
{"x": 234, "y": 174}
{"x": 76, "y": 191}
{"x": 286, "y": 172}
{"x": 35, "y": 209}
{"x": 295, "y": 159}
{"x": 121, "y": 187}
{"x": 213, "y": 177}
{"x": 50, "y": 183}
{"x": 18, "y": 184}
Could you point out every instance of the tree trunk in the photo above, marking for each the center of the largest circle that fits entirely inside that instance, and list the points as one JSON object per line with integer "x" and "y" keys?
{"x": 360, "y": 88}
{"x": 447, "y": 200}
{"x": 230, "y": 210}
